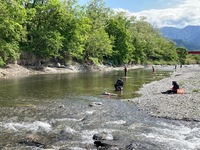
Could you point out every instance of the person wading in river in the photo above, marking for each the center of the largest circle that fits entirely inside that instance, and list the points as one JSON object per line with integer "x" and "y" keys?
{"x": 119, "y": 84}
{"x": 125, "y": 70}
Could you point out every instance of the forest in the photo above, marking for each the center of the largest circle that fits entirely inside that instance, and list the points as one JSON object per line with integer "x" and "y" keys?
{"x": 35, "y": 32}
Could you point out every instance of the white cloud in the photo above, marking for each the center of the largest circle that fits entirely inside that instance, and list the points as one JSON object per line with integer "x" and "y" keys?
{"x": 186, "y": 12}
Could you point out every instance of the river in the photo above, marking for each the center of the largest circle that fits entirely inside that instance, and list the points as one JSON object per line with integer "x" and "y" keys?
{"x": 56, "y": 109}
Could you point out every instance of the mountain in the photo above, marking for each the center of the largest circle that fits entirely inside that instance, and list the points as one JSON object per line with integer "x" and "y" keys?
{"x": 188, "y": 37}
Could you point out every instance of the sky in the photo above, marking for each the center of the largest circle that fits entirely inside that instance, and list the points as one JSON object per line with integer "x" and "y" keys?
{"x": 160, "y": 13}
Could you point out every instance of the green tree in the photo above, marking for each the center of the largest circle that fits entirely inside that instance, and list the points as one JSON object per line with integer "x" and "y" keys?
{"x": 75, "y": 32}
{"x": 97, "y": 47}
{"x": 98, "y": 44}
{"x": 12, "y": 17}
{"x": 141, "y": 35}
{"x": 150, "y": 46}
{"x": 43, "y": 36}
{"x": 122, "y": 47}
{"x": 167, "y": 51}
{"x": 56, "y": 29}
{"x": 182, "y": 54}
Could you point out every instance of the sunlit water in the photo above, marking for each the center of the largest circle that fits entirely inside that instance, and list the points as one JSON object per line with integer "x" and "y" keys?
{"x": 57, "y": 107}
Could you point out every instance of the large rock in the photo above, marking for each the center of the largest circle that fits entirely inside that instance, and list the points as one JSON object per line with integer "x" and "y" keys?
{"x": 104, "y": 141}
{"x": 35, "y": 140}
{"x": 103, "y": 136}
{"x": 95, "y": 104}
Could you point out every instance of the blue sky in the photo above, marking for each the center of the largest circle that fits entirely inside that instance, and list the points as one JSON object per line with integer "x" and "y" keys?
{"x": 136, "y": 5}
{"x": 131, "y": 5}
{"x": 173, "y": 13}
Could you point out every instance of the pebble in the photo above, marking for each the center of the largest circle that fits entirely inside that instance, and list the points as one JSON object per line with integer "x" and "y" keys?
{"x": 177, "y": 106}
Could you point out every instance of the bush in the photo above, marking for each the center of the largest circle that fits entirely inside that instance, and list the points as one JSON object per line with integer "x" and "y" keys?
{"x": 2, "y": 63}
{"x": 193, "y": 59}
{"x": 94, "y": 60}
{"x": 196, "y": 90}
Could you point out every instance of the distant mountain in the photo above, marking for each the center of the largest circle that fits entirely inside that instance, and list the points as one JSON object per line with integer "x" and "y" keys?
{"x": 188, "y": 37}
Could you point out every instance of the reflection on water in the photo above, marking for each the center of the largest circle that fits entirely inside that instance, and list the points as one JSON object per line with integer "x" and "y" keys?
{"x": 55, "y": 86}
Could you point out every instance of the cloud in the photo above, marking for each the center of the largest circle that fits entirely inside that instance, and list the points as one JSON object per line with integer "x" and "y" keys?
{"x": 181, "y": 14}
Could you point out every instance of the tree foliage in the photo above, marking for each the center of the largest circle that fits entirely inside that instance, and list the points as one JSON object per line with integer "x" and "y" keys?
{"x": 62, "y": 30}
{"x": 122, "y": 47}
{"x": 12, "y": 17}
{"x": 98, "y": 43}
{"x": 182, "y": 54}
{"x": 150, "y": 45}
{"x": 43, "y": 36}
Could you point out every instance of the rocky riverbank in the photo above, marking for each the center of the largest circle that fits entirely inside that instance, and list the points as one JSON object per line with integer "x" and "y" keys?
{"x": 173, "y": 106}
{"x": 14, "y": 70}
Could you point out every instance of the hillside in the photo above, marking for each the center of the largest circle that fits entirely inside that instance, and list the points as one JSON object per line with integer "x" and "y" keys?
{"x": 188, "y": 37}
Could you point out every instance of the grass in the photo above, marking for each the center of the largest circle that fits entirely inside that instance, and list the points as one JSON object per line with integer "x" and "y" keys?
{"x": 196, "y": 90}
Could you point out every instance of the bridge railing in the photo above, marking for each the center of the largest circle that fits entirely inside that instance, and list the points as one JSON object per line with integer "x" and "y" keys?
{"x": 194, "y": 52}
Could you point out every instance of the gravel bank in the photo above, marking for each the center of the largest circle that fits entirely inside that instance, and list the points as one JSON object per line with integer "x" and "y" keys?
{"x": 173, "y": 106}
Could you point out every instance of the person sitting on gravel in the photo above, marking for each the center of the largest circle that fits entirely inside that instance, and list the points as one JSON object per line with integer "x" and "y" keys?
{"x": 173, "y": 90}
{"x": 119, "y": 84}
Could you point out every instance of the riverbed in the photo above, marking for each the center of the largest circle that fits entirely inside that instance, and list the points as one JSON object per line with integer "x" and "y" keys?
{"x": 58, "y": 111}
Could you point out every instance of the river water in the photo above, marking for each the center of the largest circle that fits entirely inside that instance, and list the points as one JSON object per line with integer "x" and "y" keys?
{"x": 56, "y": 109}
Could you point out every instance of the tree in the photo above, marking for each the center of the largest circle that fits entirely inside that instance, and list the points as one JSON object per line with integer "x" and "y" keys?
{"x": 167, "y": 51}
{"x": 150, "y": 45}
{"x": 75, "y": 32}
{"x": 43, "y": 36}
{"x": 98, "y": 43}
{"x": 12, "y": 17}
{"x": 142, "y": 39}
{"x": 97, "y": 47}
{"x": 122, "y": 47}
{"x": 182, "y": 54}
{"x": 61, "y": 30}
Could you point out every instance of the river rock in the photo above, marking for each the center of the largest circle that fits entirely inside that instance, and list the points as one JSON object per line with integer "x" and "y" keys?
{"x": 133, "y": 146}
{"x": 104, "y": 141}
{"x": 107, "y": 145}
{"x": 95, "y": 104}
{"x": 137, "y": 145}
{"x": 61, "y": 106}
{"x": 103, "y": 136}
{"x": 35, "y": 140}
{"x": 109, "y": 94}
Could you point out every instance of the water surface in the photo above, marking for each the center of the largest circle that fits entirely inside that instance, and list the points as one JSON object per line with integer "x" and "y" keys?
{"x": 56, "y": 86}
{"x": 56, "y": 106}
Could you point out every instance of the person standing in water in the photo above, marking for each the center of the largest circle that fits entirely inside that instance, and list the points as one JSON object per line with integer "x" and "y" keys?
{"x": 153, "y": 69}
{"x": 125, "y": 70}
{"x": 119, "y": 84}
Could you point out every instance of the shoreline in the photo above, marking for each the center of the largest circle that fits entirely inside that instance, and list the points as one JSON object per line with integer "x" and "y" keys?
{"x": 14, "y": 70}
{"x": 173, "y": 106}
